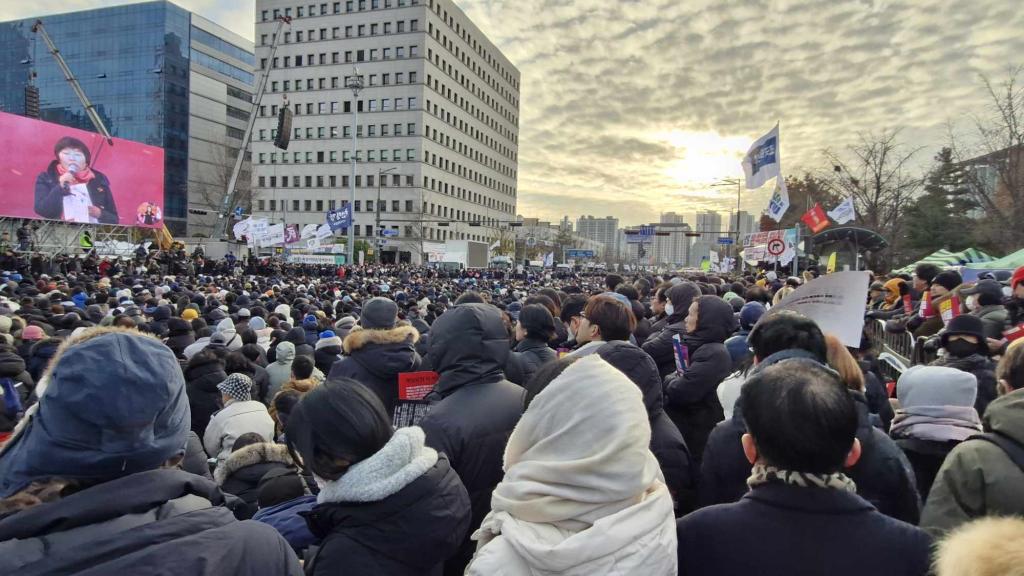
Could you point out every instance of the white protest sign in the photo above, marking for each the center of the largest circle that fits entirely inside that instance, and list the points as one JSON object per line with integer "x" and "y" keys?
{"x": 274, "y": 235}
{"x": 324, "y": 231}
{"x": 835, "y": 302}
{"x": 313, "y": 244}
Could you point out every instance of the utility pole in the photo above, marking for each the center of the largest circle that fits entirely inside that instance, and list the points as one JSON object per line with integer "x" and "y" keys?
{"x": 378, "y": 233}
{"x": 220, "y": 230}
{"x": 355, "y": 84}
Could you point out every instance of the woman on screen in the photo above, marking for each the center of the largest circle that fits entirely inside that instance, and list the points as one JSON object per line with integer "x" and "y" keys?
{"x": 70, "y": 190}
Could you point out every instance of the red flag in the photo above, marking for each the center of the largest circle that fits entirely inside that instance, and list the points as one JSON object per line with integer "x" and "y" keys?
{"x": 815, "y": 218}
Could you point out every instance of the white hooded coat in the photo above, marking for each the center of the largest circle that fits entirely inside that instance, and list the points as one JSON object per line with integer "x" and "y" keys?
{"x": 582, "y": 493}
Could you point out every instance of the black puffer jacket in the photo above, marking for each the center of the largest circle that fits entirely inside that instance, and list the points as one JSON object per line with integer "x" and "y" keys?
{"x": 474, "y": 408}
{"x": 241, "y": 472}
{"x": 659, "y": 345}
{"x": 205, "y": 370}
{"x": 410, "y": 533}
{"x": 179, "y": 336}
{"x": 39, "y": 357}
{"x": 983, "y": 368}
{"x": 529, "y": 355}
{"x": 297, "y": 336}
{"x": 667, "y": 442}
{"x": 883, "y": 475}
{"x": 691, "y": 397}
{"x": 156, "y": 522}
{"x": 375, "y": 358}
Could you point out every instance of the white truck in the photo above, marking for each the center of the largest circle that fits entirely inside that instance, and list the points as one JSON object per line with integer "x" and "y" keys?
{"x": 467, "y": 253}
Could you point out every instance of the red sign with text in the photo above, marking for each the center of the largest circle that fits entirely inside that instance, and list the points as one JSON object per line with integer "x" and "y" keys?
{"x": 416, "y": 385}
{"x": 53, "y": 172}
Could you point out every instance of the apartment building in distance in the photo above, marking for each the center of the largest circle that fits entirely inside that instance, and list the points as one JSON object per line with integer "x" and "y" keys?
{"x": 438, "y": 122}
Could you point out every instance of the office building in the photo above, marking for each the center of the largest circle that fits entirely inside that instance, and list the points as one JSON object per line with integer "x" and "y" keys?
{"x": 673, "y": 250}
{"x": 157, "y": 74}
{"x": 604, "y": 230}
{"x": 709, "y": 224}
{"x": 438, "y": 122}
{"x": 747, "y": 224}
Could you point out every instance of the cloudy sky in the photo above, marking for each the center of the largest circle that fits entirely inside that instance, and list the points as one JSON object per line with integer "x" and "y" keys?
{"x": 633, "y": 108}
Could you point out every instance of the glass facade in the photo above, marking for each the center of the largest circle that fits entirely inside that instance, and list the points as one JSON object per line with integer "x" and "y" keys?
{"x": 132, "y": 62}
{"x": 218, "y": 65}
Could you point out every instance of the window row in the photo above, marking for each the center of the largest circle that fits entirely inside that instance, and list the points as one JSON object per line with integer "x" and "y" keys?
{"x": 322, "y": 205}
{"x": 332, "y": 181}
{"x": 310, "y": 10}
{"x": 372, "y": 131}
{"x": 335, "y": 32}
{"x": 369, "y": 80}
{"x": 350, "y": 56}
{"x": 395, "y": 155}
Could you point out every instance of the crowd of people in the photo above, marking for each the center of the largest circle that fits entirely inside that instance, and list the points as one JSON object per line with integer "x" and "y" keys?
{"x": 178, "y": 414}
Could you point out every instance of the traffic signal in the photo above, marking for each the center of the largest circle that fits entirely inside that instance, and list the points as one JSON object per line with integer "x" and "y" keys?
{"x": 284, "y": 128}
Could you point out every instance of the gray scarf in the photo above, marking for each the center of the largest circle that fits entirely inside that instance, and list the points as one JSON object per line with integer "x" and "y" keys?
{"x": 763, "y": 474}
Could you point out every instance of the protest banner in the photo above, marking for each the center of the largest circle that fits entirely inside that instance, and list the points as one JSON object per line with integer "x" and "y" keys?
{"x": 835, "y": 302}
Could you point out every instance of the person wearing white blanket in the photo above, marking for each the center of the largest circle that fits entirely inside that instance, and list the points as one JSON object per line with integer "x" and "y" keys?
{"x": 582, "y": 493}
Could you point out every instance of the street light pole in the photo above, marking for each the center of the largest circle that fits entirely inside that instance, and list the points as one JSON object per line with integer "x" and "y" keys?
{"x": 355, "y": 84}
{"x": 377, "y": 233}
{"x": 739, "y": 191}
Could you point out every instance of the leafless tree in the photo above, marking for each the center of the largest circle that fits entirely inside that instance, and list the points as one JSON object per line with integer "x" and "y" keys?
{"x": 993, "y": 161}
{"x": 876, "y": 172}
{"x": 210, "y": 194}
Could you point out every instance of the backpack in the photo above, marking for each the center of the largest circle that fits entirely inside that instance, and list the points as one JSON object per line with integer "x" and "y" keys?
{"x": 1014, "y": 450}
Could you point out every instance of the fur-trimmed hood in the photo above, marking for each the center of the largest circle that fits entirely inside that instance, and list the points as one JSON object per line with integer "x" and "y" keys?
{"x": 359, "y": 338}
{"x": 985, "y": 547}
{"x": 251, "y": 455}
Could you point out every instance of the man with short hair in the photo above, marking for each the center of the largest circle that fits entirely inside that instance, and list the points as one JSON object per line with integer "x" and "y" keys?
{"x": 802, "y": 510}
{"x": 603, "y": 319}
{"x": 883, "y": 473}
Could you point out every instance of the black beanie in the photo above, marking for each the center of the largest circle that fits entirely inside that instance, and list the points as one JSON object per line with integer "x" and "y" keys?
{"x": 949, "y": 279}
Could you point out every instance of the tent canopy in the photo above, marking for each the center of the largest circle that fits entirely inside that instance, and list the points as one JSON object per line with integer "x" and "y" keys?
{"x": 945, "y": 258}
{"x": 1008, "y": 262}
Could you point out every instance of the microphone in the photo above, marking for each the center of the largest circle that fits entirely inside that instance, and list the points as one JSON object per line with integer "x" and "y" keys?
{"x": 73, "y": 169}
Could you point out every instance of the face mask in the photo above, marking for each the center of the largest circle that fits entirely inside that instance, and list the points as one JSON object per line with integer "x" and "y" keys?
{"x": 961, "y": 348}
{"x": 669, "y": 309}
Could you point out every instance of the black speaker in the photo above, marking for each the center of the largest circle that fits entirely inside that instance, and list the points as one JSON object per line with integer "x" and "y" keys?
{"x": 284, "y": 128}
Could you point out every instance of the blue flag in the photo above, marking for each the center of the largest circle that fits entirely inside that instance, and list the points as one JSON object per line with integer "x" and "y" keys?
{"x": 338, "y": 219}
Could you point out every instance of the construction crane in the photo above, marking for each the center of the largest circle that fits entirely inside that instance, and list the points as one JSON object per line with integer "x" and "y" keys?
{"x": 89, "y": 108}
{"x": 220, "y": 228}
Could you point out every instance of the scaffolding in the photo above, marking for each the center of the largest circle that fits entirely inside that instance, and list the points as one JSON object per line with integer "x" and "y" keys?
{"x": 52, "y": 238}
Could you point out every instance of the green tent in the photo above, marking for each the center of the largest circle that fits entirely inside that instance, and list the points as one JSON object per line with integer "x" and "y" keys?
{"x": 946, "y": 259}
{"x": 1009, "y": 262}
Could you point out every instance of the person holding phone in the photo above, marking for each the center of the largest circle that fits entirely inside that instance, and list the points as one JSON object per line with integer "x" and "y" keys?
{"x": 69, "y": 189}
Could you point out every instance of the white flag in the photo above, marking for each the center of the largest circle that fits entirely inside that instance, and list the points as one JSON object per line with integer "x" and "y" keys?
{"x": 308, "y": 231}
{"x": 762, "y": 162}
{"x": 845, "y": 212}
{"x": 779, "y": 202}
{"x": 549, "y": 260}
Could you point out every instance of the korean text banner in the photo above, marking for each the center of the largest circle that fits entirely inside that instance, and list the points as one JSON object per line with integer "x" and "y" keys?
{"x": 52, "y": 172}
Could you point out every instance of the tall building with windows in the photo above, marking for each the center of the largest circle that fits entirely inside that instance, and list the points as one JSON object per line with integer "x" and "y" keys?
{"x": 709, "y": 223}
{"x": 747, "y": 223}
{"x": 156, "y": 74}
{"x": 604, "y": 230}
{"x": 673, "y": 249}
{"x": 438, "y": 122}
